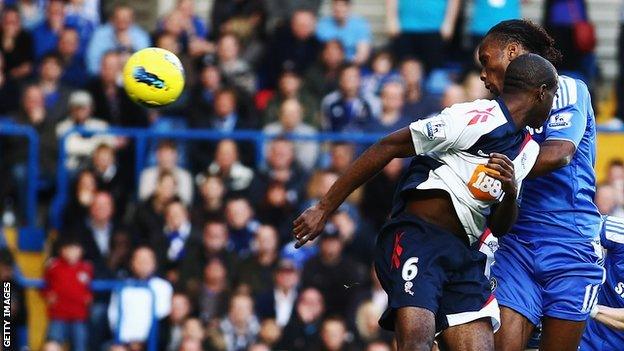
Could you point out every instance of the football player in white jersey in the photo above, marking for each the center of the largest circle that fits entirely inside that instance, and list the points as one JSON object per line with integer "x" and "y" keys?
{"x": 468, "y": 163}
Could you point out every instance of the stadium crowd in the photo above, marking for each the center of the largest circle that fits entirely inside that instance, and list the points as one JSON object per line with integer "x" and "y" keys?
{"x": 206, "y": 228}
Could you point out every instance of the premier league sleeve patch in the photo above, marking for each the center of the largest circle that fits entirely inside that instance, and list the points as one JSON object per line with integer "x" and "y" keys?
{"x": 435, "y": 129}
{"x": 560, "y": 121}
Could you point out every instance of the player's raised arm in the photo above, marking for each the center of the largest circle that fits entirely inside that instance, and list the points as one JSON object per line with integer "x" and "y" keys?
{"x": 396, "y": 145}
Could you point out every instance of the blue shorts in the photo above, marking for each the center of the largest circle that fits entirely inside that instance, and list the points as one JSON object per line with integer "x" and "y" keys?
{"x": 422, "y": 265}
{"x": 546, "y": 277}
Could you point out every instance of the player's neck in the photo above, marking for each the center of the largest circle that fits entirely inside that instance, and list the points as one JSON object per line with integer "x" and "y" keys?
{"x": 518, "y": 108}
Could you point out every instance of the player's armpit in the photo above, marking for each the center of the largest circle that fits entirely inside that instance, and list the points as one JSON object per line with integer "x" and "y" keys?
{"x": 554, "y": 154}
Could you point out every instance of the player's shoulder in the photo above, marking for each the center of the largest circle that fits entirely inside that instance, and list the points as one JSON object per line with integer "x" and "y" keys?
{"x": 613, "y": 231}
{"x": 570, "y": 92}
{"x": 479, "y": 113}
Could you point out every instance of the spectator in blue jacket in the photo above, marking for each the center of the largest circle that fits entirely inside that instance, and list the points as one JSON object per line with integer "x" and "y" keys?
{"x": 46, "y": 33}
{"x": 351, "y": 30}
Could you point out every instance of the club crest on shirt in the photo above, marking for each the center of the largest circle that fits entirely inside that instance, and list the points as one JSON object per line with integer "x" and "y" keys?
{"x": 435, "y": 130}
{"x": 560, "y": 121}
{"x": 408, "y": 288}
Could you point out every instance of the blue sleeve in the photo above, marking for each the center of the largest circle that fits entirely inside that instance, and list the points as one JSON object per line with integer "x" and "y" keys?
{"x": 569, "y": 123}
{"x": 324, "y": 31}
{"x": 96, "y": 48}
{"x": 364, "y": 32}
{"x": 612, "y": 233}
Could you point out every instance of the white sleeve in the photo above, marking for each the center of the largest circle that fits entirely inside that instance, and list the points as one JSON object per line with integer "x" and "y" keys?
{"x": 437, "y": 133}
{"x": 163, "y": 292}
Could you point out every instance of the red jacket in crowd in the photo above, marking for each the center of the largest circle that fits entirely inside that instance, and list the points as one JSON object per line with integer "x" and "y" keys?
{"x": 68, "y": 290}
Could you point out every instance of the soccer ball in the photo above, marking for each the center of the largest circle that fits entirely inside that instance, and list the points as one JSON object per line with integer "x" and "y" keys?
{"x": 153, "y": 77}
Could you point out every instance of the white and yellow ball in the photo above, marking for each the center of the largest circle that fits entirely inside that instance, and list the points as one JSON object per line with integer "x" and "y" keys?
{"x": 153, "y": 77}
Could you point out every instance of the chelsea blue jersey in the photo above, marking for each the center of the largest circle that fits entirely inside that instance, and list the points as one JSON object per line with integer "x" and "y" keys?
{"x": 561, "y": 203}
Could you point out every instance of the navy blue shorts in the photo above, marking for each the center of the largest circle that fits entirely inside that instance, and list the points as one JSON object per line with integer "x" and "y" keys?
{"x": 422, "y": 265}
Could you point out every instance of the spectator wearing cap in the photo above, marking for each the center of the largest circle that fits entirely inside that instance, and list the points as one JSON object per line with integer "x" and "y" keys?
{"x": 420, "y": 28}
{"x": 79, "y": 148}
{"x": 279, "y": 303}
{"x": 111, "y": 103}
{"x": 255, "y": 271}
{"x": 16, "y": 45}
{"x": 56, "y": 94}
{"x": 351, "y": 30}
{"x": 46, "y": 33}
{"x": 290, "y": 121}
{"x": 322, "y": 77}
{"x": 141, "y": 301}
{"x": 331, "y": 269}
{"x": 294, "y": 44}
{"x": 119, "y": 34}
{"x": 74, "y": 71}
{"x": 290, "y": 87}
{"x": 391, "y": 118}
{"x": 68, "y": 295}
{"x": 166, "y": 160}
{"x": 346, "y": 109}
{"x": 303, "y": 327}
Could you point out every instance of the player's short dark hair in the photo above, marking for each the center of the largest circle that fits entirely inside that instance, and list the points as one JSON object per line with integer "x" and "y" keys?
{"x": 531, "y": 36}
{"x": 528, "y": 72}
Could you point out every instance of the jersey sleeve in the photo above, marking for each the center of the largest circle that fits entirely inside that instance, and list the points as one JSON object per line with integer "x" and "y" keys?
{"x": 569, "y": 122}
{"x": 440, "y": 133}
{"x": 612, "y": 234}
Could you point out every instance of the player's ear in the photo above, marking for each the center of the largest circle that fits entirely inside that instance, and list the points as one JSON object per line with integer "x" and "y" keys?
{"x": 513, "y": 51}
{"x": 542, "y": 92}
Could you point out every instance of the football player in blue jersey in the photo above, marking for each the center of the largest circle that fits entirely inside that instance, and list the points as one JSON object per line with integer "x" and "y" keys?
{"x": 605, "y": 330}
{"x": 547, "y": 268}
{"x": 468, "y": 164}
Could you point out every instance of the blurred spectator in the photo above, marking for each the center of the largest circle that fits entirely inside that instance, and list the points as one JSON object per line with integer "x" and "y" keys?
{"x": 322, "y": 77}
{"x": 486, "y": 14}
{"x": 94, "y": 233}
{"x": 417, "y": 105}
{"x": 81, "y": 198}
{"x": 615, "y": 174}
{"x": 31, "y": 12}
{"x": 331, "y": 269}
{"x": 278, "y": 188}
{"x": 342, "y": 154}
{"x": 32, "y": 113}
{"x": 9, "y": 91}
{"x": 211, "y": 199}
{"x": 241, "y": 223}
{"x": 214, "y": 246}
{"x": 173, "y": 241}
{"x": 375, "y": 205}
{"x": 204, "y": 92}
{"x": 303, "y": 327}
{"x": 170, "y": 337}
{"x": 606, "y": 201}
{"x": 372, "y": 293}
{"x": 51, "y": 345}
{"x": 119, "y": 34}
{"x": 615, "y": 181}
{"x": 381, "y": 73}
{"x": 150, "y": 214}
{"x": 346, "y": 109}
{"x": 119, "y": 252}
{"x": 18, "y": 314}
{"x": 421, "y": 28}
{"x": 294, "y": 45}
{"x": 453, "y": 94}
{"x": 280, "y": 11}
{"x": 255, "y": 272}
{"x": 226, "y": 116}
{"x": 74, "y": 69}
{"x": 189, "y": 29}
{"x": 141, "y": 300}
{"x": 279, "y": 302}
{"x": 236, "y": 71}
{"x": 17, "y": 45}
{"x": 259, "y": 347}
{"x": 167, "y": 160}
{"x": 239, "y": 329}
{"x": 235, "y": 176}
{"x": 243, "y": 18}
{"x": 366, "y": 321}
{"x": 46, "y": 33}
{"x": 68, "y": 295}
{"x": 56, "y": 94}
{"x": 560, "y": 20}
{"x": 291, "y": 121}
{"x": 333, "y": 337}
{"x": 214, "y": 292}
{"x": 474, "y": 88}
{"x": 83, "y": 12}
{"x": 109, "y": 177}
{"x": 290, "y": 88}
{"x": 78, "y": 147}
{"x": 354, "y": 231}
{"x": 392, "y": 117}
{"x": 378, "y": 346}
{"x": 112, "y": 104}
{"x": 351, "y": 30}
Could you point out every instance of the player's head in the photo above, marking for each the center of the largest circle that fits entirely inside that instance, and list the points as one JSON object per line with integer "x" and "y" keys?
{"x": 535, "y": 78}
{"x": 508, "y": 40}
